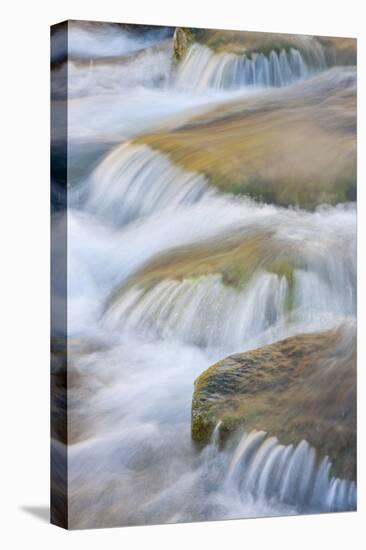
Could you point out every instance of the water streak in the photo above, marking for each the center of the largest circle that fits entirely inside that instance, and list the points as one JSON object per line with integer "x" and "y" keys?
{"x": 264, "y": 469}
{"x": 134, "y": 181}
{"x": 202, "y": 69}
{"x": 181, "y": 310}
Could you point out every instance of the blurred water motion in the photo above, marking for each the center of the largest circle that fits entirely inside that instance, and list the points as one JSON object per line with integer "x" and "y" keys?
{"x": 169, "y": 271}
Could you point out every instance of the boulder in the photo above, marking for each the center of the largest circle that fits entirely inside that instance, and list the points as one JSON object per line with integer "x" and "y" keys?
{"x": 300, "y": 388}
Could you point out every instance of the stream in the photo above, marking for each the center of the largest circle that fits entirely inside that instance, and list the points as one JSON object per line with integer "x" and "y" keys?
{"x": 134, "y": 356}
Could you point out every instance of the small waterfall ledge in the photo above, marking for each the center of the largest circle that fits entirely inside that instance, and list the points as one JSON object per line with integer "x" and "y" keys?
{"x": 202, "y": 69}
{"x": 262, "y": 469}
{"x": 178, "y": 310}
{"x": 134, "y": 181}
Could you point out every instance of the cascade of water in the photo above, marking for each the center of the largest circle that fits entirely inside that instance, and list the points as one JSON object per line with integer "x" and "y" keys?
{"x": 263, "y": 468}
{"x": 133, "y": 181}
{"x": 181, "y": 309}
{"x": 202, "y": 69}
{"x": 130, "y": 398}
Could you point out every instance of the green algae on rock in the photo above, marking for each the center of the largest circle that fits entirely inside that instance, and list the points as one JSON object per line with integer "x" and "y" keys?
{"x": 303, "y": 387}
{"x": 183, "y": 38}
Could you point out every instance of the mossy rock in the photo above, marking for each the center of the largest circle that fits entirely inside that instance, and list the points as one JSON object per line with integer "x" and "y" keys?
{"x": 182, "y": 40}
{"x": 303, "y": 387}
{"x": 292, "y": 146}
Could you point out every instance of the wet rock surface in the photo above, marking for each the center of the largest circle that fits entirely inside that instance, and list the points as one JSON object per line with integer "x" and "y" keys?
{"x": 293, "y": 146}
{"x": 299, "y": 388}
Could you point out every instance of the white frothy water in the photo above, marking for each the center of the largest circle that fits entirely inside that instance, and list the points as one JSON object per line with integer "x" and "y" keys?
{"x": 131, "y": 458}
{"x": 107, "y": 40}
{"x": 149, "y": 68}
{"x": 181, "y": 310}
{"x": 106, "y": 254}
{"x": 323, "y": 289}
{"x": 100, "y": 91}
{"x": 121, "y": 114}
{"x": 136, "y": 462}
{"x": 139, "y": 387}
{"x": 134, "y": 181}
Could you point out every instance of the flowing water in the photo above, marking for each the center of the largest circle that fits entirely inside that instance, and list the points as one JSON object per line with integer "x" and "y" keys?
{"x": 202, "y": 69}
{"x": 135, "y": 356}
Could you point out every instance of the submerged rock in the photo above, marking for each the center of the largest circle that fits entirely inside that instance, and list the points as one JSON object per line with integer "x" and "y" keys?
{"x": 234, "y": 258}
{"x": 300, "y": 388}
{"x": 291, "y": 146}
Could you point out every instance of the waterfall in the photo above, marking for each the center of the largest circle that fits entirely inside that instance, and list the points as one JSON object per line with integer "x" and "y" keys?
{"x": 134, "y": 181}
{"x": 202, "y": 68}
{"x": 180, "y": 310}
{"x": 265, "y": 470}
